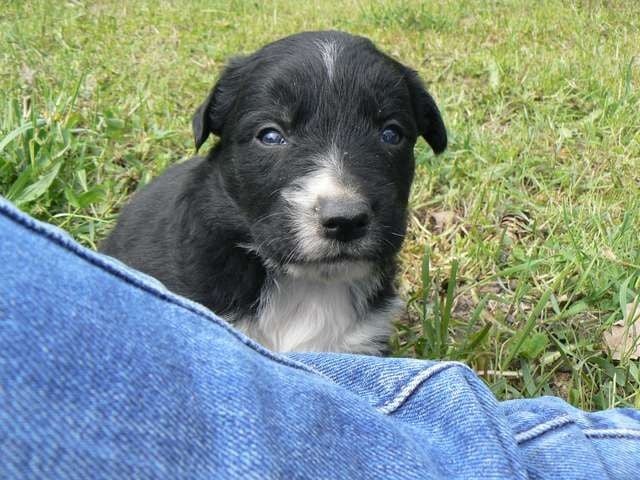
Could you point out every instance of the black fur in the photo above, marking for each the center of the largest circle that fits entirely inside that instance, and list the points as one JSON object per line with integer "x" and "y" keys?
{"x": 214, "y": 229}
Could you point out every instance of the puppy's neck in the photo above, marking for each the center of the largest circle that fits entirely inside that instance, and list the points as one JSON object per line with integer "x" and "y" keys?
{"x": 332, "y": 273}
{"x": 302, "y": 313}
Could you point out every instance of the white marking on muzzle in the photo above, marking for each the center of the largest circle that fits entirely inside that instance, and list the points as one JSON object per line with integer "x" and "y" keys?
{"x": 302, "y": 198}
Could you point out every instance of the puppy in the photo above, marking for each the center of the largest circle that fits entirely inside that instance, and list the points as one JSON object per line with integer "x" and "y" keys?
{"x": 290, "y": 226}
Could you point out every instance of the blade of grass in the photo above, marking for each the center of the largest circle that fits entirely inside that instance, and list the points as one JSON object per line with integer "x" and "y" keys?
{"x": 528, "y": 327}
{"x": 448, "y": 306}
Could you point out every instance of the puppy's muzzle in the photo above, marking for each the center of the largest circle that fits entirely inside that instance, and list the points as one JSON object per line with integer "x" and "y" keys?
{"x": 343, "y": 218}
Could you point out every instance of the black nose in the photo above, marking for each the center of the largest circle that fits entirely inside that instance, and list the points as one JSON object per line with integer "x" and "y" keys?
{"x": 344, "y": 219}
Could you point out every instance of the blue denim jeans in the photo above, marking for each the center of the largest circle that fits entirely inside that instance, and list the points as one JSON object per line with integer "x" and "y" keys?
{"x": 105, "y": 374}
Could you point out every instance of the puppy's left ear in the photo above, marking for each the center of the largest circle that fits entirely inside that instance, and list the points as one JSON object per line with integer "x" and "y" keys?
{"x": 428, "y": 118}
{"x": 210, "y": 117}
{"x": 201, "y": 123}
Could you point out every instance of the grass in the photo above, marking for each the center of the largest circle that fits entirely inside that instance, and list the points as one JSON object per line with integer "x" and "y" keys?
{"x": 524, "y": 237}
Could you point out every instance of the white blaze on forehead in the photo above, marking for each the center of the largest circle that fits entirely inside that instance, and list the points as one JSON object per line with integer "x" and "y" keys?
{"x": 329, "y": 51}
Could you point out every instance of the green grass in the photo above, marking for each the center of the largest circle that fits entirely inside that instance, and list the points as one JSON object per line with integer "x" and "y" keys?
{"x": 530, "y": 221}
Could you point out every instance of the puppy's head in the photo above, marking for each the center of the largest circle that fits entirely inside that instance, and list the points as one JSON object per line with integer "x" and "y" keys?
{"x": 316, "y": 148}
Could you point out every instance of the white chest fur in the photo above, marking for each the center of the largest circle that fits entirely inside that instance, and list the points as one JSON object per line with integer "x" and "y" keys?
{"x": 300, "y": 314}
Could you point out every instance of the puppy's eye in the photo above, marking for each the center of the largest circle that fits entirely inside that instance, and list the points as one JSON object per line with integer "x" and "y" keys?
{"x": 271, "y": 136}
{"x": 391, "y": 135}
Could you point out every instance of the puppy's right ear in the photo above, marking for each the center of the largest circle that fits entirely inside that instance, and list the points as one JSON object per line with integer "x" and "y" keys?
{"x": 211, "y": 116}
{"x": 428, "y": 118}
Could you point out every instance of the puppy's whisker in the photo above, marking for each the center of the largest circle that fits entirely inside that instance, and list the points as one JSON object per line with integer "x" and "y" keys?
{"x": 392, "y": 233}
{"x": 271, "y": 215}
{"x": 388, "y": 242}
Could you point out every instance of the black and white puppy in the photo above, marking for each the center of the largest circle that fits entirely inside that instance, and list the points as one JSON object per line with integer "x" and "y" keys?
{"x": 290, "y": 226}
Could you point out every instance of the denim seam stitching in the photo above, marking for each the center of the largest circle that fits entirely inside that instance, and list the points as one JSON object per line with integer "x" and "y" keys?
{"x": 543, "y": 428}
{"x": 563, "y": 420}
{"x": 392, "y": 405}
{"x": 421, "y": 377}
{"x": 627, "y": 433}
{"x": 516, "y": 470}
{"x": 68, "y": 244}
